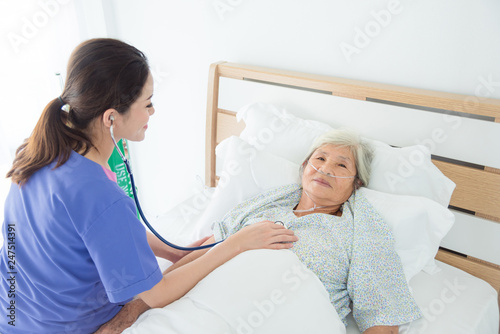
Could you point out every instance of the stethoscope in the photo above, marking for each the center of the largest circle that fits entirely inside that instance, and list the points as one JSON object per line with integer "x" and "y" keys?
{"x": 138, "y": 205}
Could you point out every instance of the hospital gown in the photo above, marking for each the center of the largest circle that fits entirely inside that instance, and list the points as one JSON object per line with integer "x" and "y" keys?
{"x": 353, "y": 255}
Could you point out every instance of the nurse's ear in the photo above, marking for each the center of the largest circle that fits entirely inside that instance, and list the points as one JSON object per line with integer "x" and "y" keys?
{"x": 109, "y": 117}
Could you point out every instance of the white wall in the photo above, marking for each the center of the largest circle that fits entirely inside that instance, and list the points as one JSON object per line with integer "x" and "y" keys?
{"x": 446, "y": 45}
{"x": 37, "y": 38}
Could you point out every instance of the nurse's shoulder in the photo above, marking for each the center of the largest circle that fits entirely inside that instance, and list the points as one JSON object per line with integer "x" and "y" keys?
{"x": 84, "y": 189}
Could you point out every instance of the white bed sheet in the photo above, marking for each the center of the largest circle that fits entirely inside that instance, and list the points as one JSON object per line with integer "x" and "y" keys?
{"x": 257, "y": 292}
{"x": 451, "y": 300}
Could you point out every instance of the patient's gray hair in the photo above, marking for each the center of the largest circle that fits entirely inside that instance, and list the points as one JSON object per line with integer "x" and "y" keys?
{"x": 360, "y": 149}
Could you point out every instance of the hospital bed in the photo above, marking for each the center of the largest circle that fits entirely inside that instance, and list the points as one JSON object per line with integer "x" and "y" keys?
{"x": 422, "y": 139}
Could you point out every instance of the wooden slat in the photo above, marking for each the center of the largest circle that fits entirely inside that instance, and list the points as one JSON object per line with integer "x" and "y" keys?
{"x": 477, "y": 190}
{"x": 482, "y": 215}
{"x": 493, "y": 265}
{"x": 211, "y": 126}
{"x": 358, "y": 88}
{"x": 488, "y": 273}
{"x": 227, "y": 125}
{"x": 492, "y": 170}
{"x": 351, "y": 96}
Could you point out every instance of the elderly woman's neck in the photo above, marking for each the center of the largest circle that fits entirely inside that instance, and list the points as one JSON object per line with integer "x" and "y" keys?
{"x": 307, "y": 206}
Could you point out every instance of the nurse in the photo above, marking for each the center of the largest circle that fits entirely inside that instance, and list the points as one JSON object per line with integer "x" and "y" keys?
{"x": 74, "y": 252}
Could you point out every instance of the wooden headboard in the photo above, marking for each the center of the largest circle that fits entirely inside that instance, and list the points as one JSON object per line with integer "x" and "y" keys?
{"x": 476, "y": 199}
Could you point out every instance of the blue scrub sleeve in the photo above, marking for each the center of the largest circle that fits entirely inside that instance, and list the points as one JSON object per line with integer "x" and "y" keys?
{"x": 118, "y": 245}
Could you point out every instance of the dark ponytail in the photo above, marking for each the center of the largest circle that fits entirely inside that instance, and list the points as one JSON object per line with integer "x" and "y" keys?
{"x": 102, "y": 74}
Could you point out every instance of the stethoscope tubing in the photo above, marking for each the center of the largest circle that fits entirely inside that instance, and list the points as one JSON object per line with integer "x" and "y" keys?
{"x": 151, "y": 228}
{"x": 138, "y": 206}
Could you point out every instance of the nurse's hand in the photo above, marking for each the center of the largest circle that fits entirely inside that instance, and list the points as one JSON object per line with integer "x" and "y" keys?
{"x": 265, "y": 234}
{"x": 124, "y": 318}
{"x": 167, "y": 252}
{"x": 176, "y": 254}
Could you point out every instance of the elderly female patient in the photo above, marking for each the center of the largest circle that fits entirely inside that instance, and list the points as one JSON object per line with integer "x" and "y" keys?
{"x": 341, "y": 238}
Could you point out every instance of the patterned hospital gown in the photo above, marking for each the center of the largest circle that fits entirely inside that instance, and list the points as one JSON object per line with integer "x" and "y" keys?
{"x": 352, "y": 255}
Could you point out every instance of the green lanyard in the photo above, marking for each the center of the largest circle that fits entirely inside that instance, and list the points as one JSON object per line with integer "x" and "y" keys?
{"x": 118, "y": 166}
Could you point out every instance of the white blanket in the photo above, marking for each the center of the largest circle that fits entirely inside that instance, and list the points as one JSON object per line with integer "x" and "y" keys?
{"x": 257, "y": 292}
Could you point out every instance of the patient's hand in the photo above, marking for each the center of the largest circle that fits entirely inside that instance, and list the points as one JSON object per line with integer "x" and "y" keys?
{"x": 162, "y": 250}
{"x": 265, "y": 234}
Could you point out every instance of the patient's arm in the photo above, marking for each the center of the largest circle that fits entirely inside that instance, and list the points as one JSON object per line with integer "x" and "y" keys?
{"x": 191, "y": 256}
{"x": 382, "y": 330}
{"x": 177, "y": 282}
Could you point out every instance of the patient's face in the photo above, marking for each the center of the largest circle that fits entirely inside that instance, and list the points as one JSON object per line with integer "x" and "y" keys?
{"x": 326, "y": 190}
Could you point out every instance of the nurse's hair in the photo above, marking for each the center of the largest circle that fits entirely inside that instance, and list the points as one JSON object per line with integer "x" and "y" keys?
{"x": 102, "y": 73}
{"x": 359, "y": 147}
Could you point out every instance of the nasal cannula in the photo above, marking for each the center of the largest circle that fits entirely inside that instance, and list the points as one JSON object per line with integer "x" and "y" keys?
{"x": 328, "y": 174}
{"x": 322, "y": 173}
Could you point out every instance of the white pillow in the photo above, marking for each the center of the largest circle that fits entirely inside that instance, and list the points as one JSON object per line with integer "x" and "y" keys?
{"x": 403, "y": 171}
{"x": 279, "y": 132}
{"x": 418, "y": 223}
{"x": 244, "y": 172}
{"x": 408, "y": 171}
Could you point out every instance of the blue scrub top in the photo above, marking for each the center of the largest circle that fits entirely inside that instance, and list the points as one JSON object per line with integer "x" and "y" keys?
{"x": 74, "y": 251}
